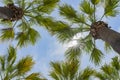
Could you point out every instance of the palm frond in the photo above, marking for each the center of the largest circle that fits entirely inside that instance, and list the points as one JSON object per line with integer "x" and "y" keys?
{"x": 60, "y": 29}
{"x": 22, "y": 39}
{"x": 107, "y": 47}
{"x": 111, "y": 7}
{"x": 45, "y": 21}
{"x": 100, "y": 76}
{"x": 96, "y": 56}
{"x": 73, "y": 52}
{"x": 70, "y": 14}
{"x": 24, "y": 65}
{"x": 107, "y": 69}
{"x": 11, "y": 55}
{"x": 8, "y": 1}
{"x": 95, "y": 2}
{"x": 87, "y": 43}
{"x": 33, "y": 35}
{"x": 67, "y": 11}
{"x": 85, "y": 75}
{"x": 80, "y": 19}
{"x": 2, "y": 62}
{"x": 24, "y": 26}
{"x": 27, "y": 37}
{"x": 54, "y": 75}
{"x": 116, "y": 63}
{"x": 7, "y": 34}
{"x": 21, "y": 3}
{"x": 56, "y": 67}
{"x": 34, "y": 76}
{"x": 48, "y": 6}
{"x": 64, "y": 70}
{"x": 87, "y": 8}
{"x": 72, "y": 67}
{"x": 110, "y": 71}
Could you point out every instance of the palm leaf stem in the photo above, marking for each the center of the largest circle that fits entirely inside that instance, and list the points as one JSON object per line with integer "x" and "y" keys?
{"x": 94, "y": 12}
{"x": 94, "y": 43}
{"x": 29, "y": 6}
{"x": 25, "y": 20}
{"x": 86, "y": 23}
{"x": 102, "y": 17}
{"x": 15, "y": 24}
{"x": 32, "y": 9}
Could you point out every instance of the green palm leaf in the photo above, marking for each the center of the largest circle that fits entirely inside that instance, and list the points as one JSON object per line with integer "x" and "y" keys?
{"x": 85, "y": 75}
{"x": 107, "y": 69}
{"x": 11, "y": 59}
{"x": 107, "y": 47}
{"x": 87, "y": 43}
{"x": 10, "y": 69}
{"x": 6, "y": 1}
{"x": 94, "y": 2}
{"x": 27, "y": 37}
{"x": 22, "y": 39}
{"x": 57, "y": 67}
{"x": 116, "y": 63}
{"x": 12, "y": 54}
{"x": 60, "y": 29}
{"x": 33, "y": 35}
{"x": 87, "y": 8}
{"x": 54, "y": 75}
{"x": 100, "y": 76}
{"x": 73, "y": 67}
{"x": 73, "y": 52}
{"x": 96, "y": 56}
{"x": 24, "y": 65}
{"x": 2, "y": 62}
{"x": 7, "y": 34}
{"x": 34, "y": 76}
{"x": 110, "y": 71}
{"x": 64, "y": 70}
{"x": 68, "y": 12}
{"x": 111, "y": 7}
{"x": 48, "y": 6}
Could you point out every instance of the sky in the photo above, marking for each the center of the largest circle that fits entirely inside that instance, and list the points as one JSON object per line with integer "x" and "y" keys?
{"x": 48, "y": 48}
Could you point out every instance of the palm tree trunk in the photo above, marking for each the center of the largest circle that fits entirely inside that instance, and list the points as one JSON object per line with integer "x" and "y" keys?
{"x": 108, "y": 35}
{"x": 5, "y": 13}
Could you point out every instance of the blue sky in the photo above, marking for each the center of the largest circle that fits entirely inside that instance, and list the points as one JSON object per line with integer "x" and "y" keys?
{"x": 49, "y": 49}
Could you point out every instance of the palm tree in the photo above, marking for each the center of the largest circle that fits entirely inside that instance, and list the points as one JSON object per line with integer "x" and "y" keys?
{"x": 21, "y": 18}
{"x": 69, "y": 70}
{"x": 10, "y": 69}
{"x": 110, "y": 71}
{"x": 86, "y": 22}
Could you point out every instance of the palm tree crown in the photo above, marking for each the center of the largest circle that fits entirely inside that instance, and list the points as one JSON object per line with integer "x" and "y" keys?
{"x": 21, "y": 15}
{"x": 85, "y": 21}
{"x": 110, "y": 71}
{"x": 69, "y": 70}
{"x": 10, "y": 69}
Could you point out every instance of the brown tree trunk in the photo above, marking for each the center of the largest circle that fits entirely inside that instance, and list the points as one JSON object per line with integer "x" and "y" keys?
{"x": 110, "y": 36}
{"x": 5, "y": 13}
{"x": 102, "y": 31}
